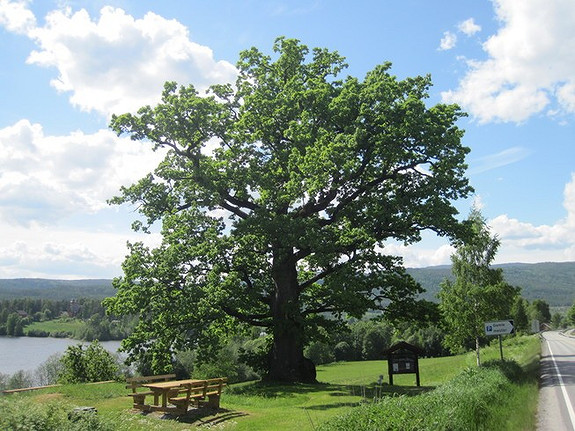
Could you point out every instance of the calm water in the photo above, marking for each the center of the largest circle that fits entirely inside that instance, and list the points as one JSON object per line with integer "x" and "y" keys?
{"x": 27, "y": 353}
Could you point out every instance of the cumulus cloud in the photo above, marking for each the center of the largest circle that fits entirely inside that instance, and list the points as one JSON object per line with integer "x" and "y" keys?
{"x": 64, "y": 253}
{"x": 557, "y": 241}
{"x": 16, "y": 17}
{"x": 115, "y": 63}
{"x": 46, "y": 178}
{"x": 520, "y": 241}
{"x": 448, "y": 41}
{"x": 529, "y": 64}
{"x": 468, "y": 27}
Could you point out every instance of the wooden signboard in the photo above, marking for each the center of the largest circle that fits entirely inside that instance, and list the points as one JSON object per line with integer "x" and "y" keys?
{"x": 403, "y": 358}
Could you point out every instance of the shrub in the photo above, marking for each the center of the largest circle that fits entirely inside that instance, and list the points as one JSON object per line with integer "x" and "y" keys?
{"x": 49, "y": 371}
{"x": 343, "y": 351}
{"x": 91, "y": 365}
{"x": 20, "y": 414}
{"x": 319, "y": 353}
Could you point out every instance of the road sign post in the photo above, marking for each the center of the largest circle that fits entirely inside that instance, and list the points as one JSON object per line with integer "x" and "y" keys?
{"x": 499, "y": 328}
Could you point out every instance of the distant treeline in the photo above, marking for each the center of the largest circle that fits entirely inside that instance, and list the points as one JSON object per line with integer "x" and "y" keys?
{"x": 93, "y": 323}
{"x": 55, "y": 289}
{"x": 553, "y": 282}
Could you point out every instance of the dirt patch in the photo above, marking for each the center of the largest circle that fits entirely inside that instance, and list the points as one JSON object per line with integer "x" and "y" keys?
{"x": 48, "y": 397}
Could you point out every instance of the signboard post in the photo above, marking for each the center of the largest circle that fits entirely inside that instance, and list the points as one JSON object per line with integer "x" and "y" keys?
{"x": 499, "y": 328}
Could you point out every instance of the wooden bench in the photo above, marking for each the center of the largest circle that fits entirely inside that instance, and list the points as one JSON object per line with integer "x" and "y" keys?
{"x": 204, "y": 393}
{"x": 189, "y": 393}
{"x": 135, "y": 383}
{"x": 213, "y": 391}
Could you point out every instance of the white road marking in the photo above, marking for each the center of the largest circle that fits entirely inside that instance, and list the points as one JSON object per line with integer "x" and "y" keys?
{"x": 562, "y": 384}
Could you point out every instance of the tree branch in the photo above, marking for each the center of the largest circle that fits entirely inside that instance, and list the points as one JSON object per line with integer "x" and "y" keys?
{"x": 252, "y": 319}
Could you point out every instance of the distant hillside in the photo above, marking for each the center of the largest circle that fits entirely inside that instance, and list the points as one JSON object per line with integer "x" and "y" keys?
{"x": 551, "y": 281}
{"x": 55, "y": 289}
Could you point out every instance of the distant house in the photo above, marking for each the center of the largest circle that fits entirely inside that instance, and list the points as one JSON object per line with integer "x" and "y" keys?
{"x": 22, "y": 314}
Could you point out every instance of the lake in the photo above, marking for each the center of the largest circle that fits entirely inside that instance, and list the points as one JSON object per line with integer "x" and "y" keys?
{"x": 28, "y": 353}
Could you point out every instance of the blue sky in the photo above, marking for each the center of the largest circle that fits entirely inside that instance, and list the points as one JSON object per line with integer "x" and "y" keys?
{"x": 67, "y": 66}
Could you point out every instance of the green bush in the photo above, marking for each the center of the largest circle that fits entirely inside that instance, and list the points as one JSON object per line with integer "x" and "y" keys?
{"x": 20, "y": 414}
{"x": 319, "y": 353}
{"x": 90, "y": 365}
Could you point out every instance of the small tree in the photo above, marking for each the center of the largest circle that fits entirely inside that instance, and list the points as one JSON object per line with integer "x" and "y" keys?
{"x": 519, "y": 314}
{"x": 479, "y": 292}
{"x": 539, "y": 310}
{"x": 92, "y": 364}
{"x": 571, "y": 315}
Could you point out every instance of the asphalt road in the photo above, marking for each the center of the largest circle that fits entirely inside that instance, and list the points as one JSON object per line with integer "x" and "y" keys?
{"x": 557, "y": 392}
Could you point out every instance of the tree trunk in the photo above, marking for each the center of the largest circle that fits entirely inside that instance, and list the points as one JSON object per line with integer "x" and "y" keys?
{"x": 477, "y": 351}
{"x": 286, "y": 361}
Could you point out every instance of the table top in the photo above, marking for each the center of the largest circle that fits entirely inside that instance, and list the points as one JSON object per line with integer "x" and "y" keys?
{"x": 170, "y": 384}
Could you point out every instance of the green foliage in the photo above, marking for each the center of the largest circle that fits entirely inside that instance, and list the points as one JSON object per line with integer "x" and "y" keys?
{"x": 91, "y": 364}
{"x": 539, "y": 310}
{"x": 519, "y": 314}
{"x": 20, "y": 379}
{"x": 20, "y": 414}
{"x": 479, "y": 292}
{"x": 319, "y": 352}
{"x": 275, "y": 197}
{"x": 571, "y": 315}
{"x": 82, "y": 319}
{"x": 50, "y": 370}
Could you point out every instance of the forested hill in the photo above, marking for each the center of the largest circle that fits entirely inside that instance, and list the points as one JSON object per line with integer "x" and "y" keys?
{"x": 551, "y": 281}
{"x": 55, "y": 289}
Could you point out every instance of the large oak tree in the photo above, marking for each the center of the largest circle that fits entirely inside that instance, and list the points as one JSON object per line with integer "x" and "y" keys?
{"x": 277, "y": 197}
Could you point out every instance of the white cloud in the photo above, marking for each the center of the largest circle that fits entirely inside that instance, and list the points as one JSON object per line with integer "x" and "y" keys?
{"x": 64, "y": 253}
{"x": 468, "y": 27}
{"x": 16, "y": 17}
{"x": 554, "y": 242}
{"x": 529, "y": 64}
{"x": 520, "y": 241}
{"x": 116, "y": 63}
{"x": 46, "y": 178}
{"x": 448, "y": 41}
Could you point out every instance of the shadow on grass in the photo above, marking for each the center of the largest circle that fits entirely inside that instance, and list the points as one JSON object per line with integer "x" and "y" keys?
{"x": 206, "y": 416}
{"x": 370, "y": 391}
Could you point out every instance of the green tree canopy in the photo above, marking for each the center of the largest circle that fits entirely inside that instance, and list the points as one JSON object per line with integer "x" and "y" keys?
{"x": 277, "y": 196}
{"x": 570, "y": 317}
{"x": 479, "y": 292}
{"x": 519, "y": 314}
{"x": 539, "y": 310}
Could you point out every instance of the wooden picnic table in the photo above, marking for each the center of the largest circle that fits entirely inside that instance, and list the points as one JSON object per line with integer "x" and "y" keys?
{"x": 164, "y": 388}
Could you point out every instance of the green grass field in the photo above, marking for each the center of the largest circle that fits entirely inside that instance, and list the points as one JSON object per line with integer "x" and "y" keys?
{"x": 57, "y": 326}
{"x": 258, "y": 406}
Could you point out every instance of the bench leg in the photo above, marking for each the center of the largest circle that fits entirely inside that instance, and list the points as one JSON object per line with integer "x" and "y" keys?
{"x": 213, "y": 401}
{"x": 139, "y": 400}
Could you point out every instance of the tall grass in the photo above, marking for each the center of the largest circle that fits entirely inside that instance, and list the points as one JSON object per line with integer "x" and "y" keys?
{"x": 501, "y": 395}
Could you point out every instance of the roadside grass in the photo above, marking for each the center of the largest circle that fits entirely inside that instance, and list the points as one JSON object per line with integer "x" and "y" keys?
{"x": 344, "y": 389}
{"x": 70, "y": 327}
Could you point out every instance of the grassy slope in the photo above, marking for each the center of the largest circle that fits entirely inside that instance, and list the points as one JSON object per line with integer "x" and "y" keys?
{"x": 69, "y": 326}
{"x": 255, "y": 406}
